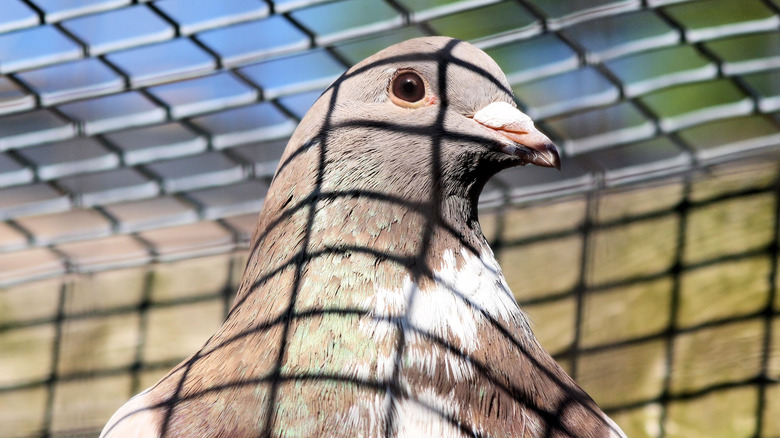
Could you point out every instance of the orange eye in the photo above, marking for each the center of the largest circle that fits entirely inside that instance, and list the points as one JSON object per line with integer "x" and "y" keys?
{"x": 407, "y": 87}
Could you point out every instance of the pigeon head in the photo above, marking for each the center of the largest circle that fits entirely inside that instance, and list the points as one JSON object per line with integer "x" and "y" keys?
{"x": 428, "y": 112}
{"x": 449, "y": 81}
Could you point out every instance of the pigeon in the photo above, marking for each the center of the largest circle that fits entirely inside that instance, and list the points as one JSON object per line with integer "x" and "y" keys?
{"x": 371, "y": 304}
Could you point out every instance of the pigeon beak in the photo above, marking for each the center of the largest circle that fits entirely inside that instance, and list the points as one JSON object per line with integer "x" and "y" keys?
{"x": 524, "y": 140}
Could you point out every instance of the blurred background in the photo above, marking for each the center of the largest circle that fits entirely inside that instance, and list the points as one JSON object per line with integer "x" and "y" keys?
{"x": 137, "y": 139}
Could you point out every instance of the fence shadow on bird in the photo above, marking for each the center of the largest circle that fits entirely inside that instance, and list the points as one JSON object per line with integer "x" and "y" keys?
{"x": 371, "y": 304}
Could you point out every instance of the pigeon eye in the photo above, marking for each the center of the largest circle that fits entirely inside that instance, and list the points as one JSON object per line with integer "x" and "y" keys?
{"x": 407, "y": 87}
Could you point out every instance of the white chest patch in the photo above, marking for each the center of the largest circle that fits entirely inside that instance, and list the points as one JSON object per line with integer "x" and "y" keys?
{"x": 463, "y": 298}
{"x": 423, "y": 417}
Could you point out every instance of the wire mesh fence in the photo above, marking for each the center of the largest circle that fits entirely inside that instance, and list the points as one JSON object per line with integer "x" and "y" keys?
{"x": 660, "y": 298}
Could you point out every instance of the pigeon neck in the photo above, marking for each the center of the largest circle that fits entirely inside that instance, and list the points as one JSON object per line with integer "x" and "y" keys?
{"x": 405, "y": 229}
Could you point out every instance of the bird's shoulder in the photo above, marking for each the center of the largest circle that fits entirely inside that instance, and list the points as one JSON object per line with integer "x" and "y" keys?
{"x": 137, "y": 418}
